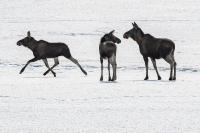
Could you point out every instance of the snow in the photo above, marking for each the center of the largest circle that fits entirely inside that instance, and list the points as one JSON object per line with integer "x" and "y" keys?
{"x": 75, "y": 103}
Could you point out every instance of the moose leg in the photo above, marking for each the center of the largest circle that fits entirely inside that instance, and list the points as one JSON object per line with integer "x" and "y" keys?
{"x": 171, "y": 71}
{"x": 113, "y": 63}
{"x": 115, "y": 71}
{"x": 56, "y": 63}
{"x": 47, "y": 65}
{"x": 146, "y": 65}
{"x": 174, "y": 71}
{"x": 171, "y": 61}
{"x": 109, "y": 78}
{"x": 101, "y": 60}
{"x": 76, "y": 62}
{"x": 32, "y": 60}
{"x": 155, "y": 67}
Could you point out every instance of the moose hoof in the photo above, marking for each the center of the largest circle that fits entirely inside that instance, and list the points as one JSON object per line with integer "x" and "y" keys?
{"x": 159, "y": 78}
{"x": 21, "y": 71}
{"x": 101, "y": 79}
{"x": 146, "y": 78}
{"x": 113, "y": 79}
{"x": 174, "y": 78}
{"x": 109, "y": 79}
{"x": 45, "y": 74}
{"x": 170, "y": 79}
{"x": 85, "y": 72}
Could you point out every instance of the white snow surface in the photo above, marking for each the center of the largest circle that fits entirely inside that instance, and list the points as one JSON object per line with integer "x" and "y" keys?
{"x": 75, "y": 103}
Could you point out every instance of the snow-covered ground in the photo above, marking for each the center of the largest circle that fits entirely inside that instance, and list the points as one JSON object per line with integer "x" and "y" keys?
{"x": 75, "y": 103}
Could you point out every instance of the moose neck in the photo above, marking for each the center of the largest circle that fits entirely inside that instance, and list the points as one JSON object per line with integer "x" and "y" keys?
{"x": 102, "y": 40}
{"x": 32, "y": 45}
{"x": 138, "y": 36}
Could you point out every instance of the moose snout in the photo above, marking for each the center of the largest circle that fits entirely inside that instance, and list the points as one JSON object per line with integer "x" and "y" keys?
{"x": 125, "y": 36}
{"x": 19, "y": 43}
{"x": 119, "y": 41}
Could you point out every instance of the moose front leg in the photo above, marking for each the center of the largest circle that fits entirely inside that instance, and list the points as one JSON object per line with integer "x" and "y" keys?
{"x": 32, "y": 60}
{"x": 146, "y": 65}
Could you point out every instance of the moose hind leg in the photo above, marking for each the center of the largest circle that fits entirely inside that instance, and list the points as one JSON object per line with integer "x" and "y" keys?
{"x": 115, "y": 71}
{"x": 101, "y": 60}
{"x": 76, "y": 62}
{"x": 174, "y": 71}
{"x": 155, "y": 67}
{"x": 112, "y": 60}
{"x": 56, "y": 63}
{"x": 47, "y": 65}
{"x": 109, "y": 78}
{"x": 171, "y": 61}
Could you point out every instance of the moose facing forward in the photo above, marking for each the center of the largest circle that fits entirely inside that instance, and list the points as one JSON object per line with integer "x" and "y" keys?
{"x": 43, "y": 50}
{"x": 155, "y": 48}
{"x": 107, "y": 50}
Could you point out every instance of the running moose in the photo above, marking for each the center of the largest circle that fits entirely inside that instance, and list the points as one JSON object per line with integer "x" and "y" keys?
{"x": 155, "y": 48}
{"x": 107, "y": 50}
{"x": 43, "y": 50}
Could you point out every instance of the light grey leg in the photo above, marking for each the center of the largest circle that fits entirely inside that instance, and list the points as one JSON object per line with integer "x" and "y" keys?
{"x": 109, "y": 78}
{"x": 76, "y": 62}
{"x": 47, "y": 65}
{"x": 171, "y": 61}
{"x": 115, "y": 71}
{"x": 112, "y": 60}
{"x": 101, "y": 60}
{"x": 114, "y": 74}
{"x": 56, "y": 63}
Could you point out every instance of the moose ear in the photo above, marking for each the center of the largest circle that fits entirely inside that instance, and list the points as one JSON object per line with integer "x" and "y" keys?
{"x": 112, "y": 32}
{"x": 29, "y": 34}
{"x": 135, "y": 25}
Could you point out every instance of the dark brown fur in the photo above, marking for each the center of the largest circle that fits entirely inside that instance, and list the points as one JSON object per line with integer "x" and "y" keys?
{"x": 43, "y": 50}
{"x": 155, "y": 48}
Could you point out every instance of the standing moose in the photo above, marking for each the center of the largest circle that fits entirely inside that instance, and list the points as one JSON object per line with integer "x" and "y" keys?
{"x": 107, "y": 50}
{"x": 43, "y": 50}
{"x": 155, "y": 48}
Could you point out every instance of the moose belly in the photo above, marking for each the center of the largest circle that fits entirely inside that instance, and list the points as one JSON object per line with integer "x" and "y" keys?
{"x": 106, "y": 58}
{"x": 154, "y": 55}
{"x": 50, "y": 54}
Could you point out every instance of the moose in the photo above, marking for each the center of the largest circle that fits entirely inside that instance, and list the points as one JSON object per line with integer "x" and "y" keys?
{"x": 43, "y": 50}
{"x": 155, "y": 48}
{"x": 107, "y": 50}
